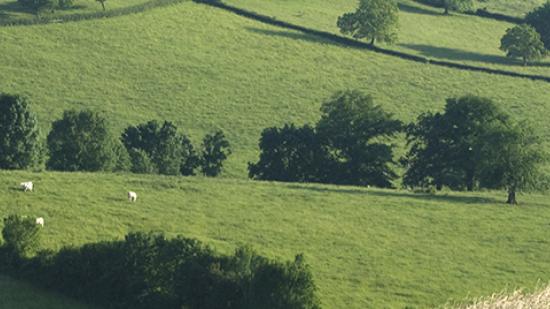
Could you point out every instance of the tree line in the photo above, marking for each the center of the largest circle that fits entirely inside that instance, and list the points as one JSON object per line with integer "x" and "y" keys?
{"x": 378, "y": 20}
{"x": 148, "y": 270}
{"x": 471, "y": 145}
{"x": 82, "y": 141}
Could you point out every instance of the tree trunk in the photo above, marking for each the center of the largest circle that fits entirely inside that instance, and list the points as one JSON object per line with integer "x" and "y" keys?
{"x": 512, "y": 197}
{"x": 438, "y": 186}
{"x": 446, "y": 10}
{"x": 102, "y": 5}
{"x": 372, "y": 41}
{"x": 524, "y": 61}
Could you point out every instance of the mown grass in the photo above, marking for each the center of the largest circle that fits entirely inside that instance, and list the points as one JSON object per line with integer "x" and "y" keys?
{"x": 207, "y": 69}
{"x": 368, "y": 248}
{"x": 14, "y": 294}
{"x": 424, "y": 31}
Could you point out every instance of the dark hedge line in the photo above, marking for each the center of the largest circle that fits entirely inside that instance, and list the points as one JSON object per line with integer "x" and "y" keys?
{"x": 479, "y": 12}
{"x": 358, "y": 44}
{"x": 86, "y": 16}
{"x": 150, "y": 271}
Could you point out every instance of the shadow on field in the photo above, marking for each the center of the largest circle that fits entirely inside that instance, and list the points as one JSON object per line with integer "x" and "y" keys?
{"x": 12, "y": 7}
{"x": 417, "y": 10}
{"x": 291, "y": 35}
{"x": 458, "y": 54}
{"x": 404, "y": 194}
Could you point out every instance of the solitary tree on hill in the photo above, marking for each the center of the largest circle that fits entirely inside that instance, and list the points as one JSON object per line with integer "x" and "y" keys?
{"x": 524, "y": 42}
{"x": 373, "y": 20}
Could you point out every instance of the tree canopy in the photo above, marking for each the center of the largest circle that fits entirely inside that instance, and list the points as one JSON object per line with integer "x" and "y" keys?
{"x": 373, "y": 20}
{"x": 20, "y": 146}
{"x": 524, "y": 42}
{"x": 539, "y": 18}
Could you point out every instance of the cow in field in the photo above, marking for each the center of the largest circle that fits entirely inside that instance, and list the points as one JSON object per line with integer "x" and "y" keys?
{"x": 27, "y": 186}
{"x": 132, "y": 196}
{"x": 40, "y": 221}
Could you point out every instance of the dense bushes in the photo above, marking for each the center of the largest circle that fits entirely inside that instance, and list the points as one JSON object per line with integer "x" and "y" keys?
{"x": 160, "y": 148}
{"x": 347, "y": 146}
{"x": 20, "y": 146}
{"x": 150, "y": 271}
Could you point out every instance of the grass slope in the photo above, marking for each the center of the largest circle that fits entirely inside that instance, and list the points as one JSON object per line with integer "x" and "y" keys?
{"x": 207, "y": 69}
{"x": 424, "y": 31}
{"x": 368, "y": 248}
{"x": 510, "y": 7}
{"x": 19, "y": 295}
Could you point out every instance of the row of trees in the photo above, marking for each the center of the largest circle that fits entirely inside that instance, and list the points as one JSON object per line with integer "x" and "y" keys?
{"x": 82, "y": 141}
{"x": 148, "y": 270}
{"x": 471, "y": 144}
{"x": 378, "y": 20}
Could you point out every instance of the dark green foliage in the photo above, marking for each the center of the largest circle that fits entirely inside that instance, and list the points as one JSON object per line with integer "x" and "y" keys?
{"x": 38, "y": 5}
{"x": 140, "y": 162}
{"x": 147, "y": 270}
{"x": 81, "y": 141}
{"x": 21, "y": 235}
{"x": 456, "y": 5}
{"x": 162, "y": 144}
{"x": 215, "y": 150}
{"x": 190, "y": 159}
{"x": 373, "y": 20}
{"x": 122, "y": 158}
{"x": 446, "y": 148}
{"x": 290, "y": 154}
{"x": 354, "y": 130}
{"x": 20, "y": 146}
{"x": 513, "y": 160}
{"x": 524, "y": 42}
{"x": 540, "y": 20}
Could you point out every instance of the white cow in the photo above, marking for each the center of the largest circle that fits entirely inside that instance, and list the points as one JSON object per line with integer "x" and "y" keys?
{"x": 40, "y": 221}
{"x": 26, "y": 186}
{"x": 132, "y": 196}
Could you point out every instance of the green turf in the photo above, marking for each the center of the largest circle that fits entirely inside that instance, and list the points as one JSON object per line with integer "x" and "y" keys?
{"x": 18, "y": 295}
{"x": 510, "y": 7}
{"x": 207, "y": 69}
{"x": 11, "y": 10}
{"x": 424, "y": 31}
{"x": 368, "y": 248}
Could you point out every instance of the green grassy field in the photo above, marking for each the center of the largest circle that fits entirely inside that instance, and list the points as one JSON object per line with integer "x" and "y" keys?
{"x": 424, "y": 31}
{"x": 510, "y": 7}
{"x": 19, "y": 295}
{"x": 368, "y": 248}
{"x": 234, "y": 74}
{"x": 207, "y": 69}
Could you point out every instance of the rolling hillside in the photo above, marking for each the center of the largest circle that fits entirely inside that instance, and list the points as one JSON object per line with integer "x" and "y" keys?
{"x": 206, "y": 69}
{"x": 368, "y": 248}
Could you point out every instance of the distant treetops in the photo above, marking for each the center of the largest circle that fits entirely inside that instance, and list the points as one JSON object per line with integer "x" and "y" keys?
{"x": 378, "y": 20}
{"x": 471, "y": 145}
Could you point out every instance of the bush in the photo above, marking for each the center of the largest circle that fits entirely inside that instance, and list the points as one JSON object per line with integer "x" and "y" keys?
{"x": 20, "y": 146}
{"x": 523, "y": 41}
{"x": 539, "y": 18}
{"x": 215, "y": 150}
{"x": 21, "y": 235}
{"x": 141, "y": 163}
{"x": 81, "y": 141}
{"x": 147, "y": 270}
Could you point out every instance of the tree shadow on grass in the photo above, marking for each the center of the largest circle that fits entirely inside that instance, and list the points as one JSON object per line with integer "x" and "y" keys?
{"x": 439, "y": 197}
{"x": 13, "y": 7}
{"x": 294, "y": 35}
{"x": 417, "y": 10}
{"x": 458, "y": 54}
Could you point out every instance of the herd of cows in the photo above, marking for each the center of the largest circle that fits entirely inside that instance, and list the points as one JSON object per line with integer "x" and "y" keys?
{"x": 29, "y": 186}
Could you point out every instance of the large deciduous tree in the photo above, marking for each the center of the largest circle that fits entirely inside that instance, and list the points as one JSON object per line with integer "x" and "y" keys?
{"x": 540, "y": 20}
{"x": 355, "y": 130}
{"x": 373, "y": 20}
{"x": 20, "y": 146}
{"x": 215, "y": 150}
{"x": 524, "y": 42}
{"x": 81, "y": 141}
{"x": 446, "y": 147}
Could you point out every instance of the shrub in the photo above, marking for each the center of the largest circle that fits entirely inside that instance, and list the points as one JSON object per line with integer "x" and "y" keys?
{"x": 81, "y": 141}
{"x": 21, "y": 235}
{"x": 523, "y": 42}
{"x": 539, "y": 18}
{"x": 20, "y": 146}
{"x": 140, "y": 162}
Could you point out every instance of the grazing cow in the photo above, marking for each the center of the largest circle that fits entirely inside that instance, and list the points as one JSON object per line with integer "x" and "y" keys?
{"x": 132, "y": 196}
{"x": 40, "y": 221}
{"x": 26, "y": 186}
